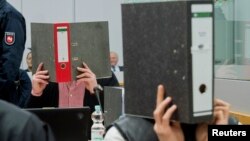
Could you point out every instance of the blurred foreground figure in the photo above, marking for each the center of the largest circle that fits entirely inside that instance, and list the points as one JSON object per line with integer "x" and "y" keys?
{"x": 19, "y": 125}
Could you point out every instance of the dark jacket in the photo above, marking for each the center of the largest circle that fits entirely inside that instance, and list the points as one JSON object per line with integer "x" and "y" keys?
{"x": 16, "y": 92}
{"x": 121, "y": 68}
{"x": 13, "y": 37}
{"x": 141, "y": 129}
{"x": 24, "y": 88}
{"x": 19, "y": 125}
{"x": 50, "y": 95}
{"x": 135, "y": 128}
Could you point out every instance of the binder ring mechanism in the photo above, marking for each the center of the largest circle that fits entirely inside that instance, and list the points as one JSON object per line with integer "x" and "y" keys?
{"x": 63, "y": 65}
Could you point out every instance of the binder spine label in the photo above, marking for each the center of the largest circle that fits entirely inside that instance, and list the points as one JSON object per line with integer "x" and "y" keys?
{"x": 62, "y": 52}
{"x": 202, "y": 58}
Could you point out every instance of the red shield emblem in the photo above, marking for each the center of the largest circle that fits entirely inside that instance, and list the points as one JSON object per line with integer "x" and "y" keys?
{"x": 9, "y": 38}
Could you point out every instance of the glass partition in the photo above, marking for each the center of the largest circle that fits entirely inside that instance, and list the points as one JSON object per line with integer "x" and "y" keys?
{"x": 232, "y": 39}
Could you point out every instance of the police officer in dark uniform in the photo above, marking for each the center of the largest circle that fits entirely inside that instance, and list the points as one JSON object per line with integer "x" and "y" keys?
{"x": 13, "y": 37}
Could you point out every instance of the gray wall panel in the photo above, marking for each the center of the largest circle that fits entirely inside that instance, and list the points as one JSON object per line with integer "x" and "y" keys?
{"x": 45, "y": 11}
{"x": 103, "y": 10}
{"x": 236, "y": 92}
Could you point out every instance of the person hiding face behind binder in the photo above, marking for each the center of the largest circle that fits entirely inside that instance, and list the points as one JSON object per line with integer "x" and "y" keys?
{"x": 168, "y": 130}
{"x": 70, "y": 94}
{"x": 163, "y": 128}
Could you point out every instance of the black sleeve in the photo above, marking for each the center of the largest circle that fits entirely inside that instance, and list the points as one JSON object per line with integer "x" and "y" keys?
{"x": 7, "y": 89}
{"x": 24, "y": 88}
{"x": 35, "y": 102}
{"x": 12, "y": 52}
{"x": 49, "y": 98}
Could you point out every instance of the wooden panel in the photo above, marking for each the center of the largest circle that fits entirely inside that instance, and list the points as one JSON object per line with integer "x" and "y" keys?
{"x": 243, "y": 118}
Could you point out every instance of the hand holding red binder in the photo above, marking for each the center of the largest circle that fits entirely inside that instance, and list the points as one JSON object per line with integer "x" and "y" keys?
{"x": 88, "y": 77}
{"x": 39, "y": 80}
